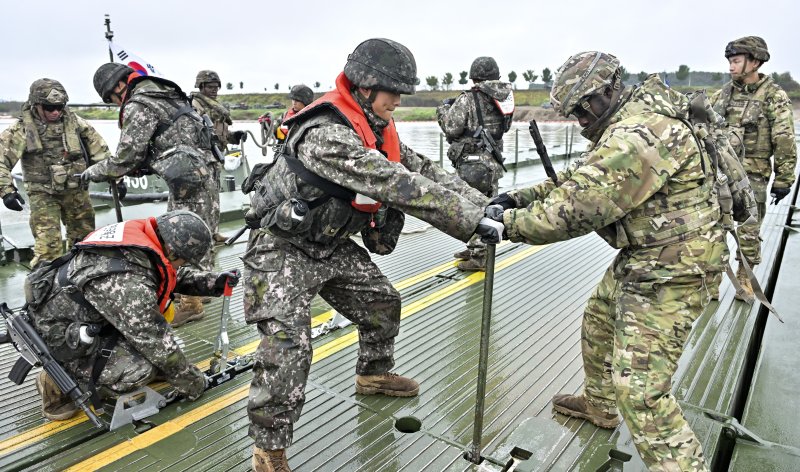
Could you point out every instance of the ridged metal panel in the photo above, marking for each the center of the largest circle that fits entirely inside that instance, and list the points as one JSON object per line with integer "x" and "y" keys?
{"x": 771, "y": 411}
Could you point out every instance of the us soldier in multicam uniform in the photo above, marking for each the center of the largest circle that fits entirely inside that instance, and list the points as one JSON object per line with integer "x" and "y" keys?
{"x": 759, "y": 115}
{"x": 342, "y": 157}
{"x": 473, "y": 162}
{"x": 162, "y": 133}
{"x": 117, "y": 280}
{"x": 205, "y": 102}
{"x": 646, "y": 188}
{"x": 54, "y": 145}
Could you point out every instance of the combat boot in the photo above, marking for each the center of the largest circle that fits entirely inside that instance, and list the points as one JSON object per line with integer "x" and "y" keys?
{"x": 55, "y": 405}
{"x": 389, "y": 384}
{"x": 577, "y": 407}
{"x": 746, "y": 293}
{"x": 189, "y": 309}
{"x": 472, "y": 265}
{"x": 270, "y": 461}
{"x": 464, "y": 255}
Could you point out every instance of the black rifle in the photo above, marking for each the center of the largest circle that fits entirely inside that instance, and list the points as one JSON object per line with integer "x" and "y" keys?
{"x": 34, "y": 352}
{"x": 215, "y": 142}
{"x": 490, "y": 145}
{"x": 542, "y": 151}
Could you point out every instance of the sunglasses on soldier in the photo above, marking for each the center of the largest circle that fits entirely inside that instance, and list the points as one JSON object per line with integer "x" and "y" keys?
{"x": 51, "y": 108}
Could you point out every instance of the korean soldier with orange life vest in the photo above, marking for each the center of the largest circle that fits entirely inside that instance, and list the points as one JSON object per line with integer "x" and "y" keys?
{"x": 111, "y": 294}
{"x": 343, "y": 172}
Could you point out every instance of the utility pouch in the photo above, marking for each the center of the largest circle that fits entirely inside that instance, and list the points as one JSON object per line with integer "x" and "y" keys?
{"x": 58, "y": 177}
{"x": 181, "y": 167}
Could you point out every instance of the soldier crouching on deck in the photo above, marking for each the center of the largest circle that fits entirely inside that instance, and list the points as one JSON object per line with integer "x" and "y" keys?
{"x": 118, "y": 282}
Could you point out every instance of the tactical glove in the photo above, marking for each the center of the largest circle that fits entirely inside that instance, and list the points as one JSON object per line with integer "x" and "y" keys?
{"x": 122, "y": 189}
{"x": 777, "y": 194}
{"x": 91, "y": 175}
{"x": 490, "y": 231}
{"x": 13, "y": 201}
{"x": 231, "y": 277}
{"x": 504, "y": 200}
{"x": 448, "y": 101}
{"x": 494, "y": 212}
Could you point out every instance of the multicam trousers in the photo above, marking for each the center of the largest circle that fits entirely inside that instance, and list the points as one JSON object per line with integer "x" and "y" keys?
{"x": 48, "y": 211}
{"x": 634, "y": 329}
{"x": 749, "y": 234}
{"x": 279, "y": 282}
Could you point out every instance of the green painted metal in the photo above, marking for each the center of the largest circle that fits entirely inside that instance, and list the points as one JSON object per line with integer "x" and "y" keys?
{"x": 535, "y": 353}
{"x": 771, "y": 410}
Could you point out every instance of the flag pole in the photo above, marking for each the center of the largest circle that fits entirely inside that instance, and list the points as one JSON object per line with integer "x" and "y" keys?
{"x": 109, "y": 36}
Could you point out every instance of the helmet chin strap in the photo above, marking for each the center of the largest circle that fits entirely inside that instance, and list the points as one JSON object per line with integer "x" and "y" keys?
{"x": 599, "y": 123}
{"x": 373, "y": 94}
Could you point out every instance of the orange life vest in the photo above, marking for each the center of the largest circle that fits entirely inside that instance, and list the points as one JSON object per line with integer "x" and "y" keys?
{"x": 140, "y": 234}
{"x": 344, "y": 103}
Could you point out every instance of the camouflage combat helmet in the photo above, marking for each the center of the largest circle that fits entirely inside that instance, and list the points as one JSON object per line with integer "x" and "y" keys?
{"x": 108, "y": 76}
{"x": 583, "y": 75}
{"x": 484, "y": 68}
{"x": 206, "y": 77}
{"x": 752, "y": 45}
{"x": 382, "y": 64}
{"x": 47, "y": 92}
{"x": 185, "y": 235}
{"x": 302, "y": 93}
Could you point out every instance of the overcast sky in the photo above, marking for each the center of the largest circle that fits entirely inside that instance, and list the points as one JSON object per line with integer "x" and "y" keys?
{"x": 264, "y": 42}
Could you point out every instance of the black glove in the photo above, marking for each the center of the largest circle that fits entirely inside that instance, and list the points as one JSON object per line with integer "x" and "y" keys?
{"x": 504, "y": 200}
{"x": 448, "y": 101}
{"x": 777, "y": 194}
{"x": 490, "y": 231}
{"x": 122, "y": 189}
{"x": 494, "y": 212}
{"x": 13, "y": 201}
{"x": 232, "y": 277}
{"x": 238, "y": 137}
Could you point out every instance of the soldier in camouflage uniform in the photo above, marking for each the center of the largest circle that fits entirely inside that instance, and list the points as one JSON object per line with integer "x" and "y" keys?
{"x": 205, "y": 102}
{"x": 759, "y": 117}
{"x": 119, "y": 281}
{"x": 342, "y": 157}
{"x": 646, "y": 188}
{"x": 301, "y": 96}
{"x": 161, "y": 133}
{"x": 54, "y": 145}
{"x": 459, "y": 119}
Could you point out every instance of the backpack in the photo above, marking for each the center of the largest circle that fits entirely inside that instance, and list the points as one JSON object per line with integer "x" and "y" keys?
{"x": 736, "y": 198}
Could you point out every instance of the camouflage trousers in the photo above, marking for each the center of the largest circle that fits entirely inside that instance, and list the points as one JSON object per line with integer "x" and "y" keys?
{"x": 749, "y": 234}
{"x": 202, "y": 199}
{"x": 125, "y": 371}
{"x": 48, "y": 211}
{"x": 279, "y": 283}
{"x": 484, "y": 176}
{"x": 634, "y": 330}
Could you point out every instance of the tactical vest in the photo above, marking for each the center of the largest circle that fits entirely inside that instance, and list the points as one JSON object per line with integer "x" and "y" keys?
{"x": 56, "y": 299}
{"x": 329, "y": 219}
{"x": 669, "y": 216}
{"x": 745, "y": 115}
{"x": 53, "y": 157}
{"x": 179, "y": 150}
{"x": 218, "y": 114}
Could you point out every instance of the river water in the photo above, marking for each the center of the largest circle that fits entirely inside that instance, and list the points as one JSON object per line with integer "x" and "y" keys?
{"x": 423, "y": 137}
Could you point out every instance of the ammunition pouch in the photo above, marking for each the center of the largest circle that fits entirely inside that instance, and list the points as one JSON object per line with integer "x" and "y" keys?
{"x": 181, "y": 167}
